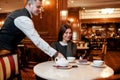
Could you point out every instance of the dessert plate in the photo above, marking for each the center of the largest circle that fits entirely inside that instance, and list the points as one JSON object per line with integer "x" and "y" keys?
{"x": 102, "y": 66}
{"x": 62, "y": 67}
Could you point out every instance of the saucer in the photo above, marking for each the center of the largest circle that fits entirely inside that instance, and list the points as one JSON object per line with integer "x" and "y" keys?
{"x": 72, "y": 61}
{"x": 84, "y": 63}
{"x": 102, "y": 66}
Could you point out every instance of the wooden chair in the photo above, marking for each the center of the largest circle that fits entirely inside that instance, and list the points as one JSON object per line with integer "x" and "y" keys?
{"x": 98, "y": 54}
{"x": 9, "y": 68}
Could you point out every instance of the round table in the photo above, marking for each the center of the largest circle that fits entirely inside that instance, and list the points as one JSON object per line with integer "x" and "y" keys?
{"x": 46, "y": 70}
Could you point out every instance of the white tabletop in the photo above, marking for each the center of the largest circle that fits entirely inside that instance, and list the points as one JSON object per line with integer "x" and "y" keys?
{"x": 83, "y": 72}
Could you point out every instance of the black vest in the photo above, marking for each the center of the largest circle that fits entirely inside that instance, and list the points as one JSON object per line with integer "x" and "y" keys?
{"x": 10, "y": 35}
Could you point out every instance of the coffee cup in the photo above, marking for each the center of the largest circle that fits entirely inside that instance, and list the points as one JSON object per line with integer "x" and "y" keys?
{"x": 61, "y": 61}
{"x": 98, "y": 62}
{"x": 70, "y": 59}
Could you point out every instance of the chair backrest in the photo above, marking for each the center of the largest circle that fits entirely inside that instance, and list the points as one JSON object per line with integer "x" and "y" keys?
{"x": 104, "y": 48}
{"x": 8, "y": 66}
{"x": 99, "y": 54}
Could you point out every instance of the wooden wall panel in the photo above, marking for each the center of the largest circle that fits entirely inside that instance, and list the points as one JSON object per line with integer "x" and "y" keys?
{"x": 2, "y": 18}
{"x": 47, "y": 25}
{"x": 48, "y": 20}
{"x": 74, "y": 13}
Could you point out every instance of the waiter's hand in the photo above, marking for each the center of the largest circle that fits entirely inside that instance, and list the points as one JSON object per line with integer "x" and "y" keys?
{"x": 60, "y": 55}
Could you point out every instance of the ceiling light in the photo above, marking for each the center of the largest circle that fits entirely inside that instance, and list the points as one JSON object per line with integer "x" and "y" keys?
{"x": 72, "y": 1}
{"x": 107, "y": 11}
{"x": 63, "y": 14}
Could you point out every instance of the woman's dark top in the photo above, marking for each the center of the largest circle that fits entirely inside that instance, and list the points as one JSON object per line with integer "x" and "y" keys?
{"x": 67, "y": 50}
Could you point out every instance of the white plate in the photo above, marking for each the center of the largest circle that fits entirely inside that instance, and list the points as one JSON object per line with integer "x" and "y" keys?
{"x": 102, "y": 66}
{"x": 85, "y": 63}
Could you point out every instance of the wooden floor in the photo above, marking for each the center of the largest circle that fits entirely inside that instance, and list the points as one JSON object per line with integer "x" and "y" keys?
{"x": 112, "y": 59}
{"x": 27, "y": 74}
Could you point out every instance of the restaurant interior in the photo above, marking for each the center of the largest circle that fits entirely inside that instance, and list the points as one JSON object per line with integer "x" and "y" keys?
{"x": 97, "y": 21}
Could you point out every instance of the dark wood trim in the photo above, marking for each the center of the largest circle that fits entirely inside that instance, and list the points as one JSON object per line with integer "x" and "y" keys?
{"x": 101, "y": 20}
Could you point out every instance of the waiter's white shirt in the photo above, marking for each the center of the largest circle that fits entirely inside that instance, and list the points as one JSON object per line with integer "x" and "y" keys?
{"x": 25, "y": 24}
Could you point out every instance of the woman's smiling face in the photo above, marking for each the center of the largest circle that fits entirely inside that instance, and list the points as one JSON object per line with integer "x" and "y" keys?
{"x": 67, "y": 35}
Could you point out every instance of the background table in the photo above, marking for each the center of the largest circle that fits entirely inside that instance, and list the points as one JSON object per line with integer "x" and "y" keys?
{"x": 82, "y": 51}
{"x": 83, "y": 72}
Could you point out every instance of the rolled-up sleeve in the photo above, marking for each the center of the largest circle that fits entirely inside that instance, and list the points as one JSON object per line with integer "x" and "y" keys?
{"x": 25, "y": 24}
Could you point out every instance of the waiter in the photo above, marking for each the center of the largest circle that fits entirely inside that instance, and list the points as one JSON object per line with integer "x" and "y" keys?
{"x": 18, "y": 25}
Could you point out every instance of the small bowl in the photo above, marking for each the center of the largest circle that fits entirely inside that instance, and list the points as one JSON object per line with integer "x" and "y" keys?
{"x": 70, "y": 59}
{"x": 98, "y": 62}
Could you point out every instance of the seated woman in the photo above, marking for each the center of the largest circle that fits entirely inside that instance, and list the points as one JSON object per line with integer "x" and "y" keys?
{"x": 64, "y": 43}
